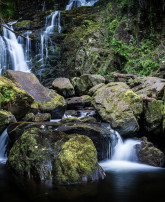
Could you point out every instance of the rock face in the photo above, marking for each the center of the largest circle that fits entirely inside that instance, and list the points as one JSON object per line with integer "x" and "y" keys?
{"x": 45, "y": 100}
{"x": 119, "y": 106}
{"x": 64, "y": 87}
{"x": 149, "y": 154}
{"x": 14, "y": 99}
{"x": 52, "y": 156}
{"x": 77, "y": 162}
{"x": 5, "y": 119}
{"x": 85, "y": 82}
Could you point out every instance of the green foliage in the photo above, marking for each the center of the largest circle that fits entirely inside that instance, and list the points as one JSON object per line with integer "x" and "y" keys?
{"x": 6, "y": 95}
{"x": 6, "y": 9}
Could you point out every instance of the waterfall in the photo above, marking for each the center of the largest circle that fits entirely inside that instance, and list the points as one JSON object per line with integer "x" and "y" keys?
{"x": 3, "y": 144}
{"x": 3, "y": 56}
{"x": 52, "y": 22}
{"x": 78, "y": 3}
{"x": 14, "y": 51}
{"x": 123, "y": 157}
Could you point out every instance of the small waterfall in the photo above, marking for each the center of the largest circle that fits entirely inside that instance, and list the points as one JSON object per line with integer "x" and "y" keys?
{"x": 77, "y": 3}
{"x": 52, "y": 22}
{"x": 3, "y": 144}
{"x": 14, "y": 50}
{"x": 3, "y": 56}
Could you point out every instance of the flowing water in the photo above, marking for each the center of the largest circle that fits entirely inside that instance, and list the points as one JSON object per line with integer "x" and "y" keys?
{"x": 3, "y": 145}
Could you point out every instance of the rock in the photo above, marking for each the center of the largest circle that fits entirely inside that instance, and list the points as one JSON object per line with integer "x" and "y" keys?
{"x": 82, "y": 112}
{"x": 29, "y": 117}
{"x": 39, "y": 154}
{"x": 14, "y": 99}
{"x": 95, "y": 88}
{"x": 78, "y": 102}
{"x": 154, "y": 115}
{"x": 152, "y": 87}
{"x": 42, "y": 117}
{"x": 33, "y": 153}
{"x": 77, "y": 162}
{"x": 5, "y": 119}
{"x": 64, "y": 87}
{"x": 45, "y": 100}
{"x": 101, "y": 137}
{"x": 85, "y": 82}
{"x": 148, "y": 154}
{"x": 119, "y": 106}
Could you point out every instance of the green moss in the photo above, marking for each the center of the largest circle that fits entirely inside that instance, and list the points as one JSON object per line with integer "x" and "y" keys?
{"x": 77, "y": 159}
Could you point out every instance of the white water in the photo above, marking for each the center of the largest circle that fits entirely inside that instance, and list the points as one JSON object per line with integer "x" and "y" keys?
{"x": 14, "y": 50}
{"x": 77, "y": 3}
{"x": 52, "y": 22}
{"x": 124, "y": 157}
{"x": 3, "y": 144}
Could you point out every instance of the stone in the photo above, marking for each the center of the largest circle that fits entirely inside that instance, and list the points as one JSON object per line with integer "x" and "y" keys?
{"x": 64, "y": 87}
{"x": 95, "y": 88}
{"x": 42, "y": 117}
{"x": 85, "y": 82}
{"x": 119, "y": 106}
{"x": 78, "y": 102}
{"x": 14, "y": 99}
{"x": 77, "y": 162}
{"x": 45, "y": 100}
{"x": 6, "y": 118}
{"x": 29, "y": 117}
{"x": 148, "y": 154}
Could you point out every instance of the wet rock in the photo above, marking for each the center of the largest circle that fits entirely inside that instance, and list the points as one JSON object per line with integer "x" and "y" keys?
{"x": 154, "y": 115}
{"x": 42, "y": 117}
{"x": 77, "y": 162}
{"x": 78, "y": 102}
{"x": 85, "y": 82}
{"x": 64, "y": 87}
{"x": 44, "y": 99}
{"x": 119, "y": 106}
{"x": 148, "y": 154}
{"x": 14, "y": 99}
{"x": 39, "y": 155}
{"x": 5, "y": 119}
{"x": 101, "y": 137}
{"x": 29, "y": 117}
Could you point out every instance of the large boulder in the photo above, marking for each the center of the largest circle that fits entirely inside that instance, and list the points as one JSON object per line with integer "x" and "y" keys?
{"x": 119, "y": 106}
{"x": 54, "y": 157}
{"x": 149, "y": 154}
{"x": 46, "y": 100}
{"x": 14, "y": 99}
{"x": 85, "y": 82}
{"x": 101, "y": 136}
{"x": 77, "y": 162}
{"x": 5, "y": 119}
{"x": 64, "y": 87}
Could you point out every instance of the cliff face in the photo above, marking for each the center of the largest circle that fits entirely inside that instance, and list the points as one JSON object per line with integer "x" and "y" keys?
{"x": 111, "y": 36}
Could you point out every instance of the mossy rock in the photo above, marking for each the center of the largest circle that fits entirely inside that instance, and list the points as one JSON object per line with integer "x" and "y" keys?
{"x": 119, "y": 106}
{"x": 6, "y": 118}
{"x": 77, "y": 162}
{"x": 45, "y": 100}
{"x": 13, "y": 98}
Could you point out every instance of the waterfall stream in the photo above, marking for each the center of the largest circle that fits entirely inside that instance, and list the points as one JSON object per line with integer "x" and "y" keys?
{"x": 3, "y": 144}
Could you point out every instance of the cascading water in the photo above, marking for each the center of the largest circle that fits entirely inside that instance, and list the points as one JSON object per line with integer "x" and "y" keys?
{"x": 14, "y": 55}
{"x": 3, "y": 144}
{"x": 123, "y": 156}
{"x": 78, "y": 3}
{"x": 52, "y": 22}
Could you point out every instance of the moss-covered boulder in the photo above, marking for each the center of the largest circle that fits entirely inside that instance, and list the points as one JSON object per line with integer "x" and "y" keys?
{"x": 101, "y": 136}
{"x": 64, "y": 87}
{"x": 42, "y": 117}
{"x": 149, "y": 154}
{"x": 154, "y": 115}
{"x": 14, "y": 99}
{"x": 6, "y": 118}
{"x": 119, "y": 106}
{"x": 77, "y": 162}
{"x": 45, "y": 100}
{"x": 83, "y": 83}
{"x": 38, "y": 154}
{"x": 33, "y": 153}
